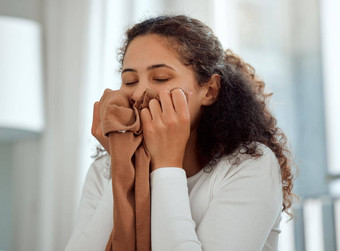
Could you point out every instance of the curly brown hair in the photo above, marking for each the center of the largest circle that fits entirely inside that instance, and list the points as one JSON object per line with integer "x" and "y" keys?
{"x": 240, "y": 114}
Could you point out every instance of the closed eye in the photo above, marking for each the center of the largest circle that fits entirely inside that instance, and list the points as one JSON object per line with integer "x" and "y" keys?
{"x": 131, "y": 83}
{"x": 161, "y": 79}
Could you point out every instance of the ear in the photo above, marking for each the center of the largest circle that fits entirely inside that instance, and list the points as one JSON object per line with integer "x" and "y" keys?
{"x": 211, "y": 90}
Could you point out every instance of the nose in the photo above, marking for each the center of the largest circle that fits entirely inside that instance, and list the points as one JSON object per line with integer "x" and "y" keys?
{"x": 138, "y": 90}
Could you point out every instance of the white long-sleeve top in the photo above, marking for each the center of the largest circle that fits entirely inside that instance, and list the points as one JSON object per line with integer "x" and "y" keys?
{"x": 233, "y": 207}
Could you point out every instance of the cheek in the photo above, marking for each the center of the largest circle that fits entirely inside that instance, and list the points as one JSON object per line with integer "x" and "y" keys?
{"x": 194, "y": 109}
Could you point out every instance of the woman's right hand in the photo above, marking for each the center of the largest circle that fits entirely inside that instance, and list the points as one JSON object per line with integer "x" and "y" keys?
{"x": 96, "y": 129}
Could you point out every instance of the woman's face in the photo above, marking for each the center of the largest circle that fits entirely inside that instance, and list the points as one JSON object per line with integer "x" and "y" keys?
{"x": 150, "y": 63}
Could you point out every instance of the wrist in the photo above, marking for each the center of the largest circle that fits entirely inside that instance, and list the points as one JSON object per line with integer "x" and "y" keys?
{"x": 156, "y": 165}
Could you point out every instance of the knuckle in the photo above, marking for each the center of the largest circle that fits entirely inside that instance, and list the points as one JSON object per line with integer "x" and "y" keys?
{"x": 184, "y": 118}
{"x": 107, "y": 90}
{"x": 94, "y": 132}
{"x": 162, "y": 127}
{"x": 105, "y": 93}
{"x": 171, "y": 121}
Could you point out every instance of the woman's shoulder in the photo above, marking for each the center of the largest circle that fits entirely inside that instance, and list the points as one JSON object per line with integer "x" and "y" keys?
{"x": 98, "y": 177}
{"x": 239, "y": 165}
{"x": 238, "y": 157}
{"x": 100, "y": 167}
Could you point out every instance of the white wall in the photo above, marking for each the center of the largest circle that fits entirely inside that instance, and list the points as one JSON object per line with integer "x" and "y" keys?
{"x": 18, "y": 165}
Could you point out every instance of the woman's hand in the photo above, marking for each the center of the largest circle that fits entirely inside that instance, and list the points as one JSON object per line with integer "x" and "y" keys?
{"x": 96, "y": 129}
{"x": 166, "y": 128}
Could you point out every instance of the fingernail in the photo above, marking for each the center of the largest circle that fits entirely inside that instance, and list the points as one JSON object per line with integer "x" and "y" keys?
{"x": 184, "y": 94}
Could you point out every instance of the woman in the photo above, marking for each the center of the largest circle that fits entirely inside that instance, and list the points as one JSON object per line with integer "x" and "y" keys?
{"x": 220, "y": 169}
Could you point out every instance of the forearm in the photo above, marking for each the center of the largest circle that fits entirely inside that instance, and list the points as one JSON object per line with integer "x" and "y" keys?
{"x": 171, "y": 222}
{"x": 94, "y": 220}
{"x": 93, "y": 229}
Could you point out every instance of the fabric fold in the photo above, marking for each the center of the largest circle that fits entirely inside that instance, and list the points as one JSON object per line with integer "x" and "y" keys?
{"x": 130, "y": 170}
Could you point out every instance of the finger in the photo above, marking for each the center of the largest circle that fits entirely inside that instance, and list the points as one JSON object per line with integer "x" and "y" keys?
{"x": 166, "y": 103}
{"x": 145, "y": 116}
{"x": 180, "y": 102}
{"x": 106, "y": 92}
{"x": 155, "y": 109}
{"x": 96, "y": 118}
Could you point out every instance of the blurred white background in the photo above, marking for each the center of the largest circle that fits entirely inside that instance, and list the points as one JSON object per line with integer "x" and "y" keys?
{"x": 294, "y": 46}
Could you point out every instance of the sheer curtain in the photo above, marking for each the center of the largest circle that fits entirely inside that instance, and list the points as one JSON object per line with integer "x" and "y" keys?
{"x": 79, "y": 38}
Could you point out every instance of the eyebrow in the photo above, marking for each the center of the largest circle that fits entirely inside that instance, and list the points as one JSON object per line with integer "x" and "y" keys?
{"x": 151, "y": 67}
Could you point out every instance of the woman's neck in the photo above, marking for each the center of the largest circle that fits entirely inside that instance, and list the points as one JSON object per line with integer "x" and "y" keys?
{"x": 191, "y": 163}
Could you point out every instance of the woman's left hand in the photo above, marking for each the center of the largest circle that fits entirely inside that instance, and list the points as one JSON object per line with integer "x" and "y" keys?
{"x": 166, "y": 129}
{"x": 96, "y": 128}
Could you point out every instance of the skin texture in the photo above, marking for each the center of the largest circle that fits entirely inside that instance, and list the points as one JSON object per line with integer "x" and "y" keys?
{"x": 169, "y": 126}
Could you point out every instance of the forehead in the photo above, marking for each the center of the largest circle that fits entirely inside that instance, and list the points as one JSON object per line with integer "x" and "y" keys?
{"x": 150, "y": 49}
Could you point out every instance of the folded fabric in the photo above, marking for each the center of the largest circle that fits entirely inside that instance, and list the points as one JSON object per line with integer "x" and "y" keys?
{"x": 130, "y": 170}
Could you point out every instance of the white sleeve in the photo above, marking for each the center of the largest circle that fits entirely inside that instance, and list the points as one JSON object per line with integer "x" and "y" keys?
{"x": 95, "y": 219}
{"x": 172, "y": 227}
{"x": 244, "y": 208}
